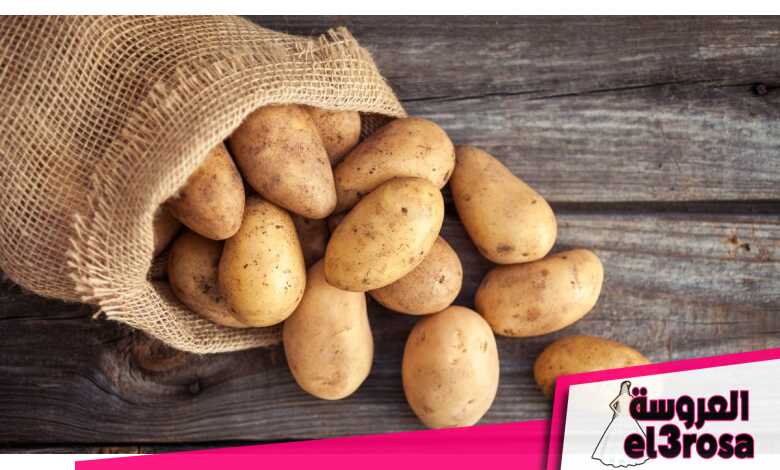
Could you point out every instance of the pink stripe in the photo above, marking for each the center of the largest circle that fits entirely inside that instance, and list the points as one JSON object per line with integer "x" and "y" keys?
{"x": 522, "y": 444}
{"x": 562, "y": 384}
{"x": 225, "y": 461}
{"x": 509, "y": 438}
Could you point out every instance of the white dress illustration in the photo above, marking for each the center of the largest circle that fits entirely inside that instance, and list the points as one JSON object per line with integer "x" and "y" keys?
{"x": 610, "y": 451}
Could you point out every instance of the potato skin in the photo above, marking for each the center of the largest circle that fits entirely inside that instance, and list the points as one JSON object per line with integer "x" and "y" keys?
{"x": 431, "y": 287}
{"x": 313, "y": 236}
{"x": 385, "y": 236}
{"x": 193, "y": 267}
{"x": 211, "y": 203}
{"x": 450, "y": 368}
{"x": 506, "y": 219}
{"x": 262, "y": 273}
{"x": 540, "y": 297}
{"x": 327, "y": 340}
{"x": 407, "y": 147}
{"x": 580, "y": 353}
{"x": 281, "y": 155}
{"x": 339, "y": 130}
{"x": 165, "y": 227}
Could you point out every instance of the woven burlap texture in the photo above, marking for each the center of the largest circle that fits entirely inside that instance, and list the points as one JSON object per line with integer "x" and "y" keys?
{"x": 104, "y": 118}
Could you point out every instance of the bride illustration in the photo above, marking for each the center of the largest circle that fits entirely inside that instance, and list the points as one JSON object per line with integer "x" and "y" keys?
{"x": 609, "y": 450}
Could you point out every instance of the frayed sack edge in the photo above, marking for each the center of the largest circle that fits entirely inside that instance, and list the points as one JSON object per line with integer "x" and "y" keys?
{"x": 145, "y": 149}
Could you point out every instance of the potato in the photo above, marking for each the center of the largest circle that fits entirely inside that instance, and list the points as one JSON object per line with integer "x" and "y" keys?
{"x": 339, "y": 130}
{"x": 313, "y": 236}
{"x": 281, "y": 155}
{"x": 211, "y": 203}
{"x": 540, "y": 297}
{"x": 450, "y": 368}
{"x": 411, "y": 147}
{"x": 327, "y": 340}
{"x": 507, "y": 220}
{"x": 192, "y": 273}
{"x": 431, "y": 287}
{"x": 577, "y": 354}
{"x": 385, "y": 236}
{"x": 262, "y": 273}
{"x": 165, "y": 227}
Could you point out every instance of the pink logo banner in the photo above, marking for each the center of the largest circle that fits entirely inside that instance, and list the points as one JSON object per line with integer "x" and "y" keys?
{"x": 740, "y": 365}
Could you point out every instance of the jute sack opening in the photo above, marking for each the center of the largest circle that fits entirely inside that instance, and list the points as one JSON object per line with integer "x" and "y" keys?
{"x": 104, "y": 118}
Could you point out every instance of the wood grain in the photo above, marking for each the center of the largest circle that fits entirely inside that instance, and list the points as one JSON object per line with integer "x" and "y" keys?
{"x": 678, "y": 285}
{"x": 461, "y": 57}
{"x": 667, "y": 143}
{"x": 655, "y": 138}
{"x": 594, "y": 109}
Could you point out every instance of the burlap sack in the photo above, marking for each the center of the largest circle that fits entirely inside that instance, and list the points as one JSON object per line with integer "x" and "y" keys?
{"x": 103, "y": 118}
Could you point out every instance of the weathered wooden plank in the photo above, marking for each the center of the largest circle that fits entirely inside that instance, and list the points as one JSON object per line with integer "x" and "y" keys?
{"x": 126, "y": 449}
{"x": 585, "y": 109}
{"x": 594, "y": 109}
{"x": 677, "y": 285}
{"x": 473, "y": 56}
{"x": 668, "y": 143}
{"x": 50, "y": 449}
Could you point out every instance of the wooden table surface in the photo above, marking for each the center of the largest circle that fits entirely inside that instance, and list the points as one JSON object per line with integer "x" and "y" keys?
{"x": 657, "y": 141}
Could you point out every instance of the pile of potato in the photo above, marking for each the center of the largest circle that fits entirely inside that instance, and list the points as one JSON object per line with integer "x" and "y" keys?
{"x": 364, "y": 217}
